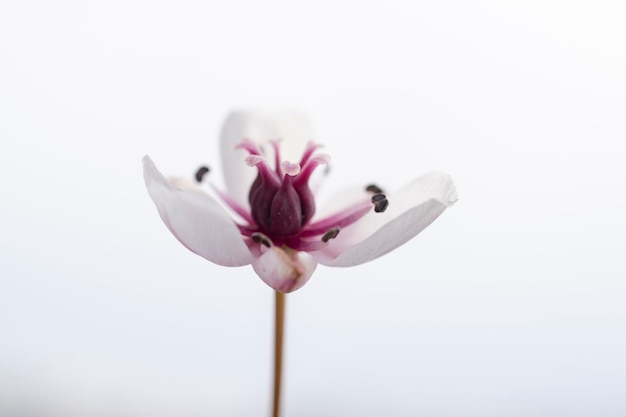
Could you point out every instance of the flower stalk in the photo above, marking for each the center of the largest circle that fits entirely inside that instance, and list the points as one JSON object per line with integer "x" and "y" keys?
{"x": 279, "y": 332}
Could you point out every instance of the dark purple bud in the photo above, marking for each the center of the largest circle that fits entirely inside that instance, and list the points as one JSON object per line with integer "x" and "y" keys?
{"x": 285, "y": 214}
{"x": 281, "y": 202}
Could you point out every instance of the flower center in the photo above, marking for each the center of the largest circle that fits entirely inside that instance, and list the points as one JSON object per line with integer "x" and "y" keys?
{"x": 281, "y": 202}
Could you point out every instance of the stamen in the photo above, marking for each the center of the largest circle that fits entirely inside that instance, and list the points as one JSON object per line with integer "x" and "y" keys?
{"x": 262, "y": 239}
{"x": 331, "y": 234}
{"x": 344, "y": 218}
{"x": 235, "y": 206}
{"x": 305, "y": 245}
{"x": 201, "y": 172}
{"x": 373, "y": 188}
{"x": 247, "y": 230}
{"x": 378, "y": 197}
{"x": 380, "y": 202}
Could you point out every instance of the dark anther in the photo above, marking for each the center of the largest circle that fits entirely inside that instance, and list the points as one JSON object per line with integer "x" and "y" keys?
{"x": 382, "y": 206}
{"x": 262, "y": 239}
{"x": 373, "y": 188}
{"x": 380, "y": 202}
{"x": 201, "y": 172}
{"x": 331, "y": 234}
{"x": 376, "y": 198}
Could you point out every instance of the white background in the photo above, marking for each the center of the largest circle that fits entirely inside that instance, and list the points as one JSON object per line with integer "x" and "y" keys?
{"x": 511, "y": 304}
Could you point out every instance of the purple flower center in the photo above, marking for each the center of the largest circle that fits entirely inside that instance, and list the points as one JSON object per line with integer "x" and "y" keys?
{"x": 281, "y": 202}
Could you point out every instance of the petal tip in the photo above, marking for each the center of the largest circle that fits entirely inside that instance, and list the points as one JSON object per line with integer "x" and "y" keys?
{"x": 196, "y": 219}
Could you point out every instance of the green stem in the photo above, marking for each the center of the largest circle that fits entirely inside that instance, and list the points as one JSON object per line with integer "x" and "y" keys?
{"x": 279, "y": 327}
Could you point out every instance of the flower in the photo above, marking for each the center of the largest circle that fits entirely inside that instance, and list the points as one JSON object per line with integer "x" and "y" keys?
{"x": 267, "y": 216}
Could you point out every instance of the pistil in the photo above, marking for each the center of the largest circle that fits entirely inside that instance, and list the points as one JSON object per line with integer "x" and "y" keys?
{"x": 282, "y": 203}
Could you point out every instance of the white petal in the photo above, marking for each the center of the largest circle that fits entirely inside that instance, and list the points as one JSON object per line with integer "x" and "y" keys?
{"x": 293, "y": 128}
{"x": 410, "y": 211}
{"x": 196, "y": 219}
{"x": 284, "y": 270}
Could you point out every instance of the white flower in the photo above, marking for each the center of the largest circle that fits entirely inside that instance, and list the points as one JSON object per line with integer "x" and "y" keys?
{"x": 273, "y": 224}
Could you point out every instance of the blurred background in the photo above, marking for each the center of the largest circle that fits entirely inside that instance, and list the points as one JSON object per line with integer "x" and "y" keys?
{"x": 510, "y": 304}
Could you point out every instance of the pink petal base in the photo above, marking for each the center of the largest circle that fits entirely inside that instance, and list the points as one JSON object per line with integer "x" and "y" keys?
{"x": 283, "y": 269}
